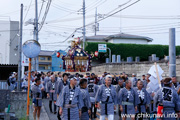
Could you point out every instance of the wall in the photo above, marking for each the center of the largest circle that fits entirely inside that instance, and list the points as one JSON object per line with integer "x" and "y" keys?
{"x": 46, "y": 67}
{"x": 45, "y": 63}
{"x": 17, "y": 100}
{"x": 4, "y": 39}
{"x": 13, "y": 53}
{"x": 46, "y": 59}
{"x": 138, "y": 68}
{"x": 56, "y": 62}
{"x": 131, "y": 41}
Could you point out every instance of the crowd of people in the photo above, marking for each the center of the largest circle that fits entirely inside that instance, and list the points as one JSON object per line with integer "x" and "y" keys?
{"x": 81, "y": 97}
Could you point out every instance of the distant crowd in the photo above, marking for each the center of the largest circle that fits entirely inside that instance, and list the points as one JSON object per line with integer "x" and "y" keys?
{"x": 76, "y": 96}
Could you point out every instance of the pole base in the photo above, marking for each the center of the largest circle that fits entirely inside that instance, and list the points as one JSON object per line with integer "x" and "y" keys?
{"x": 27, "y": 117}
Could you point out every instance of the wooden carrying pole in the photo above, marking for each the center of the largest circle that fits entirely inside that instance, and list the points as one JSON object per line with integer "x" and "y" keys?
{"x": 157, "y": 72}
{"x": 29, "y": 77}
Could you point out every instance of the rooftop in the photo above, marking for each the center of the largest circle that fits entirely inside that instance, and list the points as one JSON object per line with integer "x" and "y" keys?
{"x": 118, "y": 36}
{"x": 46, "y": 53}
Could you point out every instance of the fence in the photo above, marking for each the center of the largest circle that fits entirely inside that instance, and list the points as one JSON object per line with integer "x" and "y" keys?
{"x": 4, "y": 85}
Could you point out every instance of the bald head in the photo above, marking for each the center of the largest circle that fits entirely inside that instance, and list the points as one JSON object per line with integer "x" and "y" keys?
{"x": 140, "y": 84}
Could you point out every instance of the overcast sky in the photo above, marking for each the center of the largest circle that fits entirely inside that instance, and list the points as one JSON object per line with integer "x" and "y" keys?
{"x": 151, "y": 18}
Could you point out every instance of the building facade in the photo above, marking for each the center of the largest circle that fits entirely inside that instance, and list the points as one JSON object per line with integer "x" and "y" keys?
{"x": 9, "y": 31}
{"x": 48, "y": 61}
{"x": 57, "y": 63}
{"x": 45, "y": 60}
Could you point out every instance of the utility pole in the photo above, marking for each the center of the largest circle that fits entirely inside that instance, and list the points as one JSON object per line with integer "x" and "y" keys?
{"x": 172, "y": 53}
{"x": 84, "y": 27}
{"x": 20, "y": 50}
{"x": 36, "y": 32}
{"x": 95, "y": 27}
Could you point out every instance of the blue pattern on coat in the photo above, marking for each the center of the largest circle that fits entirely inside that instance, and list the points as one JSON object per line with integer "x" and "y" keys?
{"x": 36, "y": 91}
{"x": 170, "y": 100}
{"x": 133, "y": 98}
{"x": 145, "y": 102}
{"x": 102, "y": 96}
{"x": 53, "y": 95}
{"x": 87, "y": 103}
{"x": 64, "y": 98}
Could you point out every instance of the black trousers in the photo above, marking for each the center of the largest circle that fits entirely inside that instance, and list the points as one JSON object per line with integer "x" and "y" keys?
{"x": 44, "y": 95}
{"x": 50, "y": 106}
{"x": 95, "y": 110}
{"x": 58, "y": 115}
{"x": 119, "y": 113}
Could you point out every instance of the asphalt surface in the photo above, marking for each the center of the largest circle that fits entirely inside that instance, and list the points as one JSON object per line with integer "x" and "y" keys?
{"x": 53, "y": 116}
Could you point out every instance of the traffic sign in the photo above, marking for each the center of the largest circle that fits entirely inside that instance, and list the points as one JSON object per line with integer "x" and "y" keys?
{"x": 102, "y": 47}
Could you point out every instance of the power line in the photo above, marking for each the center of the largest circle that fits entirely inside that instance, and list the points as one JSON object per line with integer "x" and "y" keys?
{"x": 143, "y": 32}
{"x": 12, "y": 30}
{"x": 64, "y": 8}
{"x": 16, "y": 11}
{"x": 116, "y": 12}
{"x": 93, "y": 3}
{"x": 66, "y": 38}
{"x": 165, "y": 24}
{"x": 41, "y": 9}
{"x": 140, "y": 30}
{"x": 100, "y": 20}
{"x": 92, "y": 8}
{"x": 61, "y": 17}
{"x": 27, "y": 10}
{"x": 69, "y": 4}
{"x": 45, "y": 14}
{"x": 155, "y": 33}
{"x": 70, "y": 19}
{"x": 112, "y": 13}
{"x": 147, "y": 28}
{"x": 119, "y": 7}
{"x": 146, "y": 17}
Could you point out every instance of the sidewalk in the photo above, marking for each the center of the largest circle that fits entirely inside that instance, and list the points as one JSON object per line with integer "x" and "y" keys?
{"x": 44, "y": 115}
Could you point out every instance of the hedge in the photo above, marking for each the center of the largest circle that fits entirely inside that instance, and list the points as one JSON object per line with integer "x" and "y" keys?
{"x": 131, "y": 50}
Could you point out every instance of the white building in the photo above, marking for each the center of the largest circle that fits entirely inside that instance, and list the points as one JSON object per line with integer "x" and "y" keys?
{"x": 9, "y": 42}
{"x": 119, "y": 38}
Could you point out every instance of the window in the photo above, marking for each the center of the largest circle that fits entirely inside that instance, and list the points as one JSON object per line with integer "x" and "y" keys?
{"x": 49, "y": 67}
{"x": 42, "y": 58}
{"x": 49, "y": 58}
{"x": 42, "y": 67}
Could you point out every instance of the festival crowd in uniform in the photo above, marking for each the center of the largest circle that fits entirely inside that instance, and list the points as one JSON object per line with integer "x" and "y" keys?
{"x": 79, "y": 97}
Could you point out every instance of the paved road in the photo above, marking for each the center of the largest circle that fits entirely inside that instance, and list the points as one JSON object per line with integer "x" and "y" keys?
{"x": 54, "y": 116}
{"x": 44, "y": 115}
{"x": 47, "y": 115}
{"x": 46, "y": 105}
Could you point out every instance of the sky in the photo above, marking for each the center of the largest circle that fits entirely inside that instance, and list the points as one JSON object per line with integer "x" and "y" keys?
{"x": 150, "y": 18}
